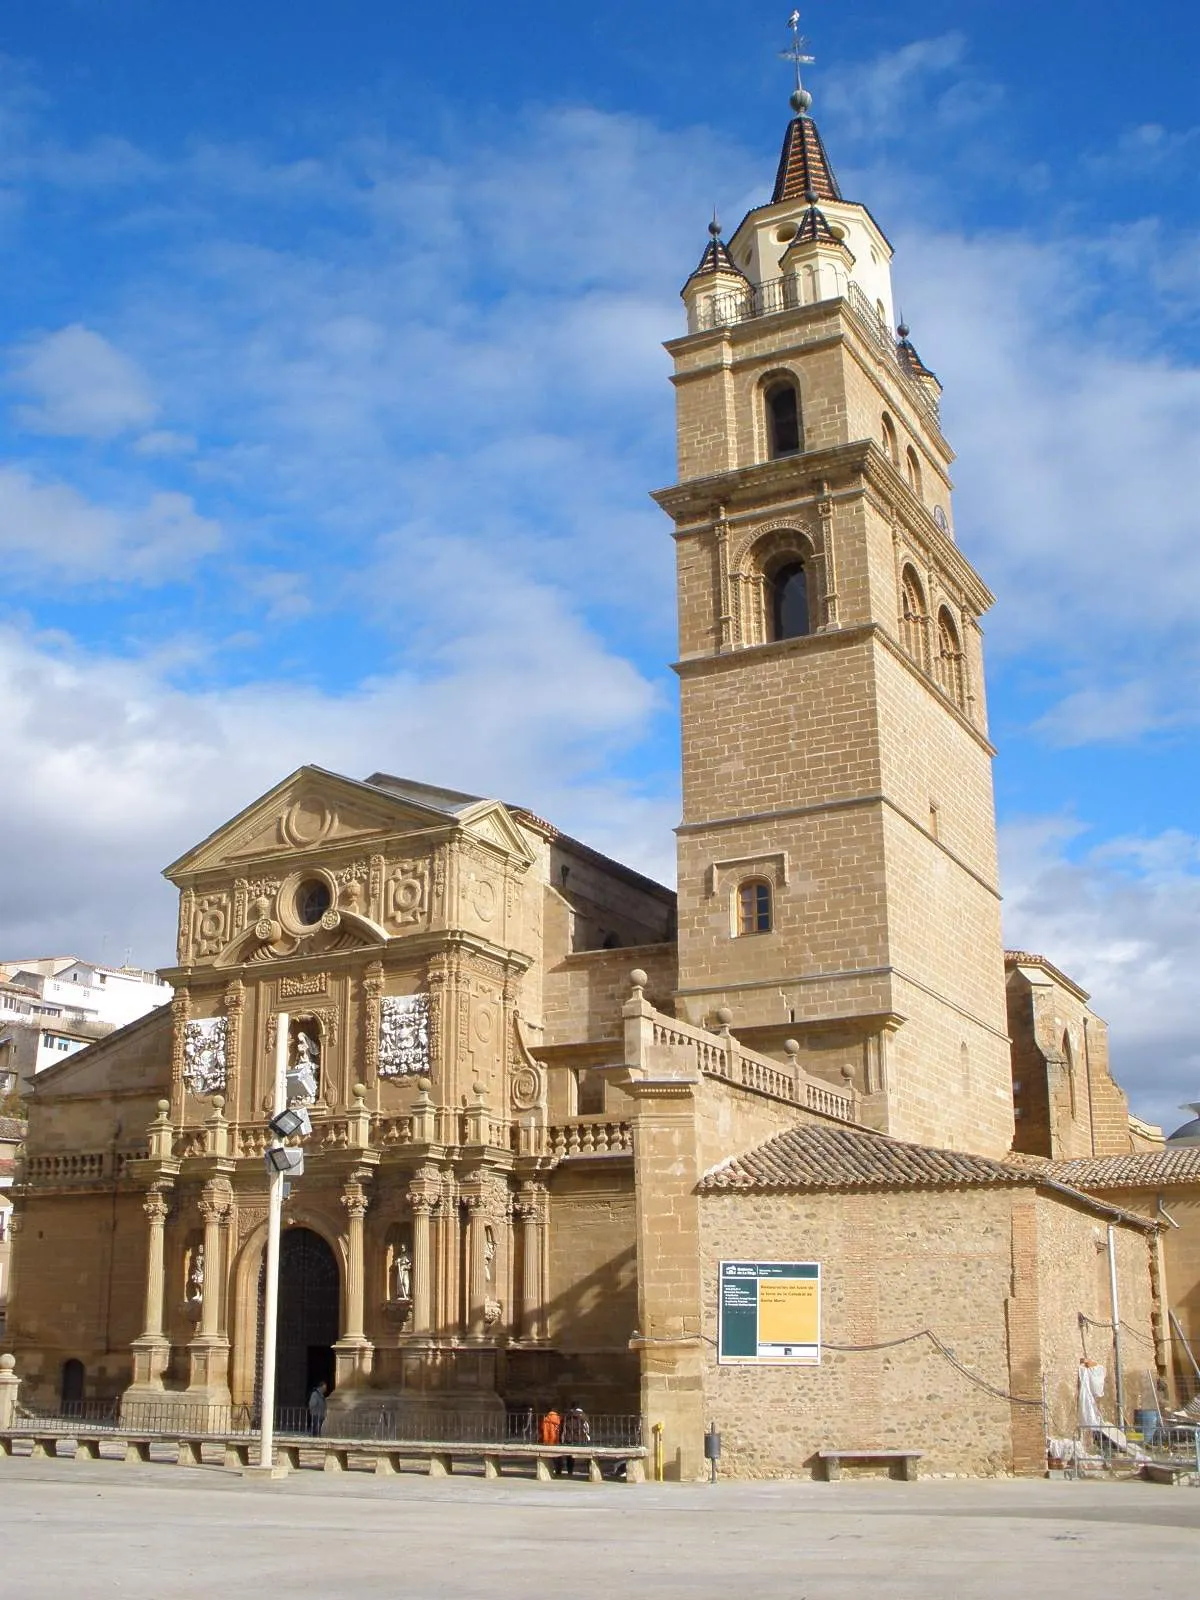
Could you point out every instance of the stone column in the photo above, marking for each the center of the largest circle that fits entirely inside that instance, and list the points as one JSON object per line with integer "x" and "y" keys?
{"x": 214, "y": 1205}
{"x": 355, "y": 1203}
{"x": 529, "y": 1212}
{"x": 422, "y": 1299}
{"x": 208, "y": 1352}
{"x": 353, "y": 1352}
{"x": 152, "y": 1352}
{"x": 476, "y": 1266}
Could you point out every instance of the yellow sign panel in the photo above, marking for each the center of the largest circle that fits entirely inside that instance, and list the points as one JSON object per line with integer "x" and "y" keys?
{"x": 788, "y": 1311}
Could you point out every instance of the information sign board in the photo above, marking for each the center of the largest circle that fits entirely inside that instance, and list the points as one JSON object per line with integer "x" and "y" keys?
{"x": 769, "y": 1313}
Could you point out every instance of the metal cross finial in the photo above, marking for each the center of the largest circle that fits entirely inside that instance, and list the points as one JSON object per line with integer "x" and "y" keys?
{"x": 801, "y": 99}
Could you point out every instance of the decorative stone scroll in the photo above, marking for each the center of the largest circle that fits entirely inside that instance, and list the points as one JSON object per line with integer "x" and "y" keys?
{"x": 404, "y": 1036}
{"x": 204, "y": 1064}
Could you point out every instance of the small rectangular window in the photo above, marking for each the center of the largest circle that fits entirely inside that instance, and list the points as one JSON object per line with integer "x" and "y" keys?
{"x": 754, "y": 908}
{"x": 589, "y": 1093}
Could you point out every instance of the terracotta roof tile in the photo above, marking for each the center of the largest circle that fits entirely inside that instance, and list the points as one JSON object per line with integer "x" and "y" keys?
{"x": 817, "y": 1157}
{"x": 1138, "y": 1169}
{"x": 803, "y": 165}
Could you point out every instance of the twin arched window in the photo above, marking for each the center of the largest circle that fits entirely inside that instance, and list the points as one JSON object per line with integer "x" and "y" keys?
{"x": 752, "y": 907}
{"x": 950, "y": 659}
{"x": 784, "y": 435}
{"x": 913, "y": 618}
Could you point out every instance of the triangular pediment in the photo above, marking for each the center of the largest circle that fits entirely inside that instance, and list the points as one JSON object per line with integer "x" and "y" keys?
{"x": 491, "y": 822}
{"x": 311, "y": 809}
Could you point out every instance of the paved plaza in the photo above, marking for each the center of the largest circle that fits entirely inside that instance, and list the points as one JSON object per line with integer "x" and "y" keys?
{"x": 162, "y": 1533}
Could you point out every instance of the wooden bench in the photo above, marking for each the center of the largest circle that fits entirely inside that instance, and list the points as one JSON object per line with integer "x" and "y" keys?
{"x": 899, "y": 1463}
{"x": 1172, "y": 1473}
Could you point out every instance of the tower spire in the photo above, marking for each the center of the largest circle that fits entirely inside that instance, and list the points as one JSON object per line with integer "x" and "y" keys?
{"x": 801, "y": 100}
{"x": 803, "y": 165}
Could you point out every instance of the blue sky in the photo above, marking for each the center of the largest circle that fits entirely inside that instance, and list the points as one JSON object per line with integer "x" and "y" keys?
{"x": 330, "y": 356}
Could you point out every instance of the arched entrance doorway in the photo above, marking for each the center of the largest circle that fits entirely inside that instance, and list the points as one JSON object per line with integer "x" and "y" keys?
{"x": 71, "y": 1384}
{"x": 309, "y": 1313}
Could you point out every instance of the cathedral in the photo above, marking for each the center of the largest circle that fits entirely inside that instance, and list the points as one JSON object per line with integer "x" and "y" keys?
{"x": 794, "y": 1151}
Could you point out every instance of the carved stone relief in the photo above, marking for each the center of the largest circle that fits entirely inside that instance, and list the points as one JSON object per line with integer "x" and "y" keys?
{"x": 404, "y": 1036}
{"x": 305, "y": 983}
{"x": 406, "y": 894}
{"x": 212, "y": 924}
{"x": 204, "y": 1066}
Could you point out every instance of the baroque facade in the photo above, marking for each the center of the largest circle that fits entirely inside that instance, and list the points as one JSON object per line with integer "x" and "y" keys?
{"x": 549, "y": 1098}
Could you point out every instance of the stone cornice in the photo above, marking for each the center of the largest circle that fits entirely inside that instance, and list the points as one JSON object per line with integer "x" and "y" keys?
{"x": 746, "y": 493}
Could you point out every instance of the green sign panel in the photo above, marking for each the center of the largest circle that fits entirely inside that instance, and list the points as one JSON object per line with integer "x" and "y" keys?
{"x": 769, "y": 1313}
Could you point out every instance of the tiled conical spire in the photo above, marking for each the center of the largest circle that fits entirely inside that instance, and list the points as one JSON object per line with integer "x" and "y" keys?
{"x": 716, "y": 257}
{"x": 909, "y": 359}
{"x": 804, "y": 165}
{"x": 814, "y": 226}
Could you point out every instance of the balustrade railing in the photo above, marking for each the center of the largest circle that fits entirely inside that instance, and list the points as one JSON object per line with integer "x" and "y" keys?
{"x": 783, "y": 294}
{"x": 720, "y": 1055}
{"x": 587, "y": 1139}
{"x": 79, "y": 1166}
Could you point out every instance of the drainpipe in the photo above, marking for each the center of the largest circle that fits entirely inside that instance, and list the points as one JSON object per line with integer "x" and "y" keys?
{"x": 1116, "y": 1323}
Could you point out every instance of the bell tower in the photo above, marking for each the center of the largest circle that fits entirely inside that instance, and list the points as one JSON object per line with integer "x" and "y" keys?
{"x": 837, "y": 853}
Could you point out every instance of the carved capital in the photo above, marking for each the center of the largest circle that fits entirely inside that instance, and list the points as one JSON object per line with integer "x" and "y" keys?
{"x": 156, "y": 1205}
{"x": 215, "y": 1202}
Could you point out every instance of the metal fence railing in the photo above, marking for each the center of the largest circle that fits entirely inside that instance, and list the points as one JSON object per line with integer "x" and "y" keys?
{"x": 1108, "y": 1450}
{"x": 383, "y": 1425}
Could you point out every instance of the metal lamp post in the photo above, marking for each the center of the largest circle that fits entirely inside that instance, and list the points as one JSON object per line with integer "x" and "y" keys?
{"x": 274, "y": 1215}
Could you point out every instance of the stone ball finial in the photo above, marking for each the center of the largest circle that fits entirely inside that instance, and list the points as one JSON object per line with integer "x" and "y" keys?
{"x": 359, "y": 1091}
{"x": 724, "y": 1016}
{"x": 424, "y": 1085}
{"x": 638, "y": 978}
{"x": 792, "y": 1046}
{"x": 479, "y": 1090}
{"x": 848, "y": 1072}
{"x": 218, "y": 1102}
{"x": 163, "y": 1106}
{"x": 7, "y": 1363}
{"x": 800, "y": 101}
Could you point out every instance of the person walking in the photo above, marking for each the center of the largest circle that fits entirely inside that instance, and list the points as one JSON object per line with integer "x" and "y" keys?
{"x": 575, "y": 1430}
{"x": 316, "y": 1410}
{"x": 548, "y": 1432}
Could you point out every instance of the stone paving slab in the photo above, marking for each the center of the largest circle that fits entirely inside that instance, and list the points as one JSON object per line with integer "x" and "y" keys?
{"x": 89, "y": 1529}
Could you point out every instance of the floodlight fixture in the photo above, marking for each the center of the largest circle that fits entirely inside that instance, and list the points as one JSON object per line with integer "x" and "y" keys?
{"x": 293, "y": 1122}
{"x": 281, "y": 1158}
{"x": 301, "y": 1083}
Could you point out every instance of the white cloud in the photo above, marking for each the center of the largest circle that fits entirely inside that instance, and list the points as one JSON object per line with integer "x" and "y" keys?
{"x": 1123, "y": 919}
{"x": 50, "y": 533}
{"x": 110, "y": 771}
{"x": 81, "y": 386}
{"x": 1077, "y": 441}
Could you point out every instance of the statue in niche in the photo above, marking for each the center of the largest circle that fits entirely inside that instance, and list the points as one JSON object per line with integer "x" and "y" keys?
{"x": 304, "y": 1066}
{"x": 194, "y": 1277}
{"x": 402, "y": 1274}
{"x": 489, "y": 1254}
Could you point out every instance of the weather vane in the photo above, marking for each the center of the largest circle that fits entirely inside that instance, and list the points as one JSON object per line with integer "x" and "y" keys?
{"x": 801, "y": 99}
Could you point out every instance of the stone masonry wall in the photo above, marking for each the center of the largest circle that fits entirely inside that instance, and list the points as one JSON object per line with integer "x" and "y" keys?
{"x": 892, "y": 1265}
{"x": 1074, "y": 1279}
{"x": 82, "y": 1294}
